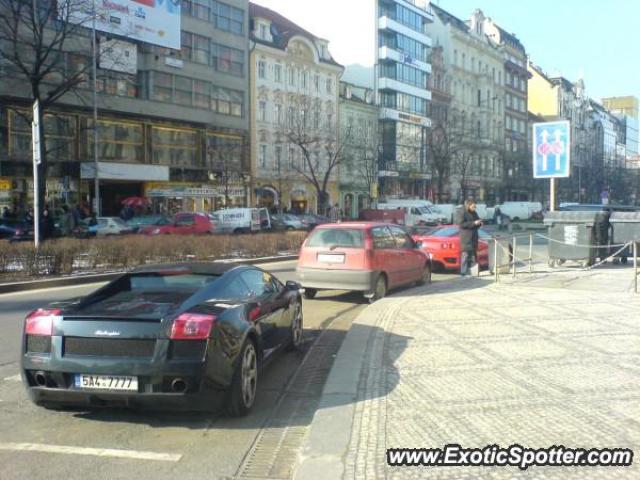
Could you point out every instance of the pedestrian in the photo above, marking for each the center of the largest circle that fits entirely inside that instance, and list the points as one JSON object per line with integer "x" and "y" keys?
{"x": 497, "y": 217}
{"x": 470, "y": 223}
{"x": 47, "y": 223}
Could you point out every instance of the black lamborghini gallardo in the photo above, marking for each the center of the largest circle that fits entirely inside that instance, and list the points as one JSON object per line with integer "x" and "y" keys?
{"x": 179, "y": 336}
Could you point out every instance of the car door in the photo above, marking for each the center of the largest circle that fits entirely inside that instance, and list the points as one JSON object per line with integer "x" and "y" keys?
{"x": 267, "y": 314}
{"x": 411, "y": 258}
{"x": 386, "y": 255}
{"x": 185, "y": 224}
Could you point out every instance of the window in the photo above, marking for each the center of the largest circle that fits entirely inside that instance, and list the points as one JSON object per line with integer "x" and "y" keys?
{"x": 262, "y": 156}
{"x": 278, "y": 156}
{"x": 118, "y": 141}
{"x": 262, "y": 69}
{"x": 479, "y": 97}
{"x": 60, "y": 131}
{"x": 262, "y": 111}
{"x": 329, "y": 85}
{"x": 262, "y": 31}
{"x": 277, "y": 73}
{"x": 227, "y": 60}
{"x": 316, "y": 119}
{"x": 338, "y": 237}
{"x": 292, "y": 158}
{"x": 162, "y": 87}
{"x": 175, "y": 147}
{"x": 228, "y": 18}
{"x": 455, "y": 57}
{"x": 196, "y": 8}
{"x": 235, "y": 289}
{"x": 277, "y": 114}
{"x": 186, "y": 42}
{"x": 382, "y": 238}
{"x": 290, "y": 117}
{"x": 201, "y": 49}
{"x": 316, "y": 83}
{"x": 183, "y": 91}
{"x": 304, "y": 78}
{"x": 227, "y": 102}
{"x": 291, "y": 74}
{"x": 259, "y": 283}
{"x": 402, "y": 239}
{"x": 201, "y": 94}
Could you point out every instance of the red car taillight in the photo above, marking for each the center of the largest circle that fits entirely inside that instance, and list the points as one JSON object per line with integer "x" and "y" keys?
{"x": 192, "y": 326}
{"x": 40, "y": 322}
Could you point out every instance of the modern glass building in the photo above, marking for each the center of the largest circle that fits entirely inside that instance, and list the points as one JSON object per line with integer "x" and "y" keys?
{"x": 402, "y": 79}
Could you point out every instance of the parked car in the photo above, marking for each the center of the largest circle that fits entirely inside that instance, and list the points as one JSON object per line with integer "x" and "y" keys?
{"x": 290, "y": 222}
{"x": 137, "y": 223}
{"x": 105, "y": 227}
{"x": 311, "y": 221}
{"x": 447, "y": 210}
{"x": 241, "y": 220}
{"x": 417, "y": 212}
{"x": 182, "y": 224}
{"x": 443, "y": 244}
{"x": 369, "y": 257}
{"x": 8, "y": 227}
{"x": 155, "y": 338}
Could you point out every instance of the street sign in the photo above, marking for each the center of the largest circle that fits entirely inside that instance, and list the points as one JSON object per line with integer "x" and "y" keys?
{"x": 551, "y": 149}
{"x": 35, "y": 133}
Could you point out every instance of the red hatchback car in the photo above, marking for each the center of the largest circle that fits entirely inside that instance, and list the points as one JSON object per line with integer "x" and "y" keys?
{"x": 443, "y": 243}
{"x": 370, "y": 257}
{"x": 183, "y": 224}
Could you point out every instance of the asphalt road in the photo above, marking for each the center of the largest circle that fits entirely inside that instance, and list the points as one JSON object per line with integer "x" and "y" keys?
{"x": 36, "y": 443}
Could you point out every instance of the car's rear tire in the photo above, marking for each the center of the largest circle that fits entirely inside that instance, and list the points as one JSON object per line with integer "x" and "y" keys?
{"x": 297, "y": 328}
{"x": 310, "y": 293}
{"x": 379, "y": 288}
{"x": 426, "y": 275}
{"x": 244, "y": 385}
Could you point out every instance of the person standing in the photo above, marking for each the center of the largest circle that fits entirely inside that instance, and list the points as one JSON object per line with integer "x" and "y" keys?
{"x": 497, "y": 217}
{"x": 470, "y": 223}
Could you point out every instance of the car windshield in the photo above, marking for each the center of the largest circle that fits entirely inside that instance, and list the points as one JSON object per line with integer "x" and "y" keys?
{"x": 425, "y": 210}
{"x": 337, "y": 237}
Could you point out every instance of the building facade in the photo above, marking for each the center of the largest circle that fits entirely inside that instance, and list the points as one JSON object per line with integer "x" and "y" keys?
{"x": 172, "y": 125}
{"x": 475, "y": 121}
{"x": 358, "y": 175}
{"x": 401, "y": 84}
{"x": 294, "y": 116}
{"x": 515, "y": 156}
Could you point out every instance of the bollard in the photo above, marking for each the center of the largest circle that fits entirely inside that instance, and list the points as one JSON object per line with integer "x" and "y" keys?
{"x": 634, "y": 252}
{"x": 495, "y": 259}
{"x": 531, "y": 253}
{"x": 514, "y": 256}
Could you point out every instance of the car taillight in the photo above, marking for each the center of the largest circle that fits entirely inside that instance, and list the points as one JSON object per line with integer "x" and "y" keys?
{"x": 40, "y": 321}
{"x": 192, "y": 326}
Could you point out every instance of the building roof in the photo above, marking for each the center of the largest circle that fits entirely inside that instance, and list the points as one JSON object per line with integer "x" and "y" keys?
{"x": 282, "y": 30}
{"x": 510, "y": 38}
{"x": 447, "y": 17}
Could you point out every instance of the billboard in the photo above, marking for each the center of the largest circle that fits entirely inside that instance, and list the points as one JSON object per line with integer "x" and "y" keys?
{"x": 150, "y": 21}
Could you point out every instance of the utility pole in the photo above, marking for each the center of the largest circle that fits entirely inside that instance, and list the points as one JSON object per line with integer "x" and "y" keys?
{"x": 94, "y": 73}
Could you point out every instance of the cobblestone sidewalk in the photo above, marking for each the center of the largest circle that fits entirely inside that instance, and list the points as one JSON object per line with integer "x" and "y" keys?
{"x": 475, "y": 363}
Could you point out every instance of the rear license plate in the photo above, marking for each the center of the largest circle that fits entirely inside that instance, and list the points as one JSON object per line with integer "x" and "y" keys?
{"x": 330, "y": 258}
{"x": 106, "y": 382}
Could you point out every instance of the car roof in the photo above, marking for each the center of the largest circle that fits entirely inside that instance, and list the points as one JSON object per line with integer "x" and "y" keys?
{"x": 202, "y": 268}
{"x": 358, "y": 225}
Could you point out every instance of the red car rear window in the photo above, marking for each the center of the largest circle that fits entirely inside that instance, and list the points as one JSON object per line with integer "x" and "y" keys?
{"x": 337, "y": 237}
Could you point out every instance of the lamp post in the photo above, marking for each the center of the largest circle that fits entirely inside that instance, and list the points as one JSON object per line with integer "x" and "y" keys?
{"x": 94, "y": 74}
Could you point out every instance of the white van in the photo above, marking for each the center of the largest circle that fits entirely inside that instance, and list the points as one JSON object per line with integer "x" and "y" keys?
{"x": 447, "y": 210}
{"x": 416, "y": 212}
{"x": 241, "y": 220}
{"x": 520, "y": 210}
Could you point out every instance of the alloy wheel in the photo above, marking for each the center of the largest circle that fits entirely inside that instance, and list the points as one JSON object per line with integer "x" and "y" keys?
{"x": 249, "y": 375}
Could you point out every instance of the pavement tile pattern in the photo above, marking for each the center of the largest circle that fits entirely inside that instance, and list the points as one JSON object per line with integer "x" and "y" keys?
{"x": 476, "y": 364}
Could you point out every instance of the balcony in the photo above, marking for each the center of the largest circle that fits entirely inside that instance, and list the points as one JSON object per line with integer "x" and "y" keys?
{"x": 397, "y": 86}
{"x": 386, "y": 53}
{"x": 388, "y": 23}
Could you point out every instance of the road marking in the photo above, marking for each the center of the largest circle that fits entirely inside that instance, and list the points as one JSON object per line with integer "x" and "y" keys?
{"x": 40, "y": 290}
{"x": 98, "y": 452}
{"x": 13, "y": 378}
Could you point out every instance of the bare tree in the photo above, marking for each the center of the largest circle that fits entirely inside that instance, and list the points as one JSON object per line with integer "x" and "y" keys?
{"x": 317, "y": 142}
{"x": 42, "y": 47}
{"x": 226, "y": 161}
{"x": 361, "y": 156}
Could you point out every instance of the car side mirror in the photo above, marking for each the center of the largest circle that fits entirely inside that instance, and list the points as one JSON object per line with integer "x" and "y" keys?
{"x": 418, "y": 244}
{"x": 294, "y": 286}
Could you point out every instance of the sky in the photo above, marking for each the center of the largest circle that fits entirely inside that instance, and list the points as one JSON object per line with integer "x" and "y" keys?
{"x": 589, "y": 38}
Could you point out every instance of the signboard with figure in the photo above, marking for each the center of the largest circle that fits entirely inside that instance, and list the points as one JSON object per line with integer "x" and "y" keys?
{"x": 551, "y": 149}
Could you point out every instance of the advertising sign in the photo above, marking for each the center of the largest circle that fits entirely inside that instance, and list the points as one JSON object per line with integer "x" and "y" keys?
{"x": 551, "y": 149}
{"x": 151, "y": 21}
{"x": 118, "y": 55}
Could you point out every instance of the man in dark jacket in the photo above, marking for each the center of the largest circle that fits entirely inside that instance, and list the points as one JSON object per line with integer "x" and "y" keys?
{"x": 470, "y": 223}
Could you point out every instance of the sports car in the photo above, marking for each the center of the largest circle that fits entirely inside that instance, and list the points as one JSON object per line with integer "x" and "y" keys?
{"x": 190, "y": 336}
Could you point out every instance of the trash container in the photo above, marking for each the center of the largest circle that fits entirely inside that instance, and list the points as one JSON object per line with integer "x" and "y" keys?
{"x": 572, "y": 236}
{"x": 625, "y": 228}
{"x": 504, "y": 258}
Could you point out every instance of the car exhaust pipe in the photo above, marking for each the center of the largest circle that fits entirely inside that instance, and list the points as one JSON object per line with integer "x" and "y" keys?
{"x": 41, "y": 379}
{"x": 178, "y": 385}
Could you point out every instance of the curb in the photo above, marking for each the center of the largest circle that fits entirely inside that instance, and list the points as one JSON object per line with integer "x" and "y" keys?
{"x": 105, "y": 277}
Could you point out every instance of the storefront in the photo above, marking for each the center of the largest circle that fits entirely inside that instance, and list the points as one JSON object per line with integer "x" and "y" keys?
{"x": 172, "y": 197}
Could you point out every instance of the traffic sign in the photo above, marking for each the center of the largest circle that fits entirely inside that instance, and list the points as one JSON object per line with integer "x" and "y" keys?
{"x": 35, "y": 133}
{"x": 551, "y": 149}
